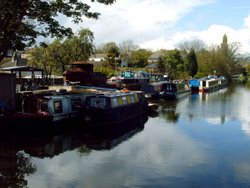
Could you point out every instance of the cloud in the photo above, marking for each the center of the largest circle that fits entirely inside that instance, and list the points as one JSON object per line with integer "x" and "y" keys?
{"x": 213, "y": 35}
{"x": 137, "y": 20}
{"x": 247, "y": 22}
{"x": 153, "y": 24}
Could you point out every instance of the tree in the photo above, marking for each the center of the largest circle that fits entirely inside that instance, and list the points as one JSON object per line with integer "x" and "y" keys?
{"x": 174, "y": 63}
{"x": 80, "y": 47}
{"x": 140, "y": 58}
{"x": 196, "y": 45}
{"x": 126, "y": 50}
{"x": 22, "y": 21}
{"x": 229, "y": 59}
{"x": 53, "y": 57}
{"x": 192, "y": 65}
{"x": 161, "y": 65}
{"x": 112, "y": 55}
{"x": 41, "y": 57}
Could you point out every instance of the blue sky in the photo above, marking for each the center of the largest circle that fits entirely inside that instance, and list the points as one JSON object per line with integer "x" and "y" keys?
{"x": 157, "y": 24}
{"x": 221, "y": 12}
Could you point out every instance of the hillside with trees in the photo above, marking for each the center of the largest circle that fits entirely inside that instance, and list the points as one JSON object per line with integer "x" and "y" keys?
{"x": 191, "y": 59}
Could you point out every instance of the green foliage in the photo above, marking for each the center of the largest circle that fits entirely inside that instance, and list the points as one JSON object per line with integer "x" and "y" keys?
{"x": 40, "y": 58}
{"x": 107, "y": 71}
{"x": 53, "y": 57}
{"x": 112, "y": 55}
{"x": 23, "y": 21}
{"x": 248, "y": 68}
{"x": 126, "y": 50}
{"x": 221, "y": 60}
{"x": 80, "y": 47}
{"x": 161, "y": 65}
{"x": 140, "y": 58}
{"x": 174, "y": 63}
{"x": 192, "y": 65}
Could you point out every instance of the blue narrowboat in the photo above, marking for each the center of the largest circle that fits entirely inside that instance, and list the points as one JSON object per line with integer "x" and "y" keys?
{"x": 194, "y": 85}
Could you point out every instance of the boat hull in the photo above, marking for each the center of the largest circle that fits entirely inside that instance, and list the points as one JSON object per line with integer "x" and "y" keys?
{"x": 174, "y": 95}
{"x": 112, "y": 116}
{"x": 172, "y": 90}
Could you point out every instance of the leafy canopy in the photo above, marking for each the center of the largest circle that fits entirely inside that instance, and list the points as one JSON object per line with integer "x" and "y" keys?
{"x": 22, "y": 21}
{"x": 53, "y": 57}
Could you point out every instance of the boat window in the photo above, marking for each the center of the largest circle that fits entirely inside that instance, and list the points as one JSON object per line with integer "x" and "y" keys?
{"x": 44, "y": 106}
{"x": 58, "y": 107}
{"x": 76, "y": 104}
{"x": 98, "y": 102}
{"x": 129, "y": 99}
{"x": 164, "y": 86}
{"x": 120, "y": 102}
{"x": 114, "y": 102}
{"x": 132, "y": 98}
{"x": 124, "y": 99}
{"x": 136, "y": 98}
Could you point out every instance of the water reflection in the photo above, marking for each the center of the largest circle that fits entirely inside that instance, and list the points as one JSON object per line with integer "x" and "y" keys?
{"x": 17, "y": 149}
{"x": 241, "y": 107}
{"x": 208, "y": 146}
{"x": 216, "y": 108}
{"x": 212, "y": 107}
{"x": 167, "y": 111}
{"x": 219, "y": 108}
{"x": 14, "y": 165}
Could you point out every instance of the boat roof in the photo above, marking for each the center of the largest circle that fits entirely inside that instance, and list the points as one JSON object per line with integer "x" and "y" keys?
{"x": 21, "y": 68}
{"x": 115, "y": 94}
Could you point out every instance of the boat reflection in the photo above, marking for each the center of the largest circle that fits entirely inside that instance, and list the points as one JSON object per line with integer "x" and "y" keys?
{"x": 211, "y": 107}
{"x": 16, "y": 150}
{"x": 167, "y": 111}
{"x": 214, "y": 107}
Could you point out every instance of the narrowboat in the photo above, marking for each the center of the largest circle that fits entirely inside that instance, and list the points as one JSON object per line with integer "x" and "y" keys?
{"x": 209, "y": 84}
{"x": 172, "y": 90}
{"x": 42, "y": 107}
{"x": 150, "y": 92}
{"x": 113, "y": 107}
{"x": 132, "y": 80}
{"x": 223, "y": 82}
{"x": 194, "y": 85}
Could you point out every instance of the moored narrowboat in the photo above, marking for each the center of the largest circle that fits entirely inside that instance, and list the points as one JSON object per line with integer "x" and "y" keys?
{"x": 45, "y": 107}
{"x": 172, "y": 90}
{"x": 223, "y": 82}
{"x": 114, "y": 107}
{"x": 209, "y": 84}
{"x": 194, "y": 85}
{"x": 132, "y": 80}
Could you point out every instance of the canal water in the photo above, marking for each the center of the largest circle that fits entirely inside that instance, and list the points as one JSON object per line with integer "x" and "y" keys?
{"x": 199, "y": 141}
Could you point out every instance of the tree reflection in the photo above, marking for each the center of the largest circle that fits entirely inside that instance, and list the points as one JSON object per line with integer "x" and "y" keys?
{"x": 168, "y": 111}
{"x": 16, "y": 168}
{"x": 83, "y": 150}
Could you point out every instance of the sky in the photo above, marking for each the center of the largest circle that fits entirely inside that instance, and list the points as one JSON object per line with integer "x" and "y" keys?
{"x": 164, "y": 24}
